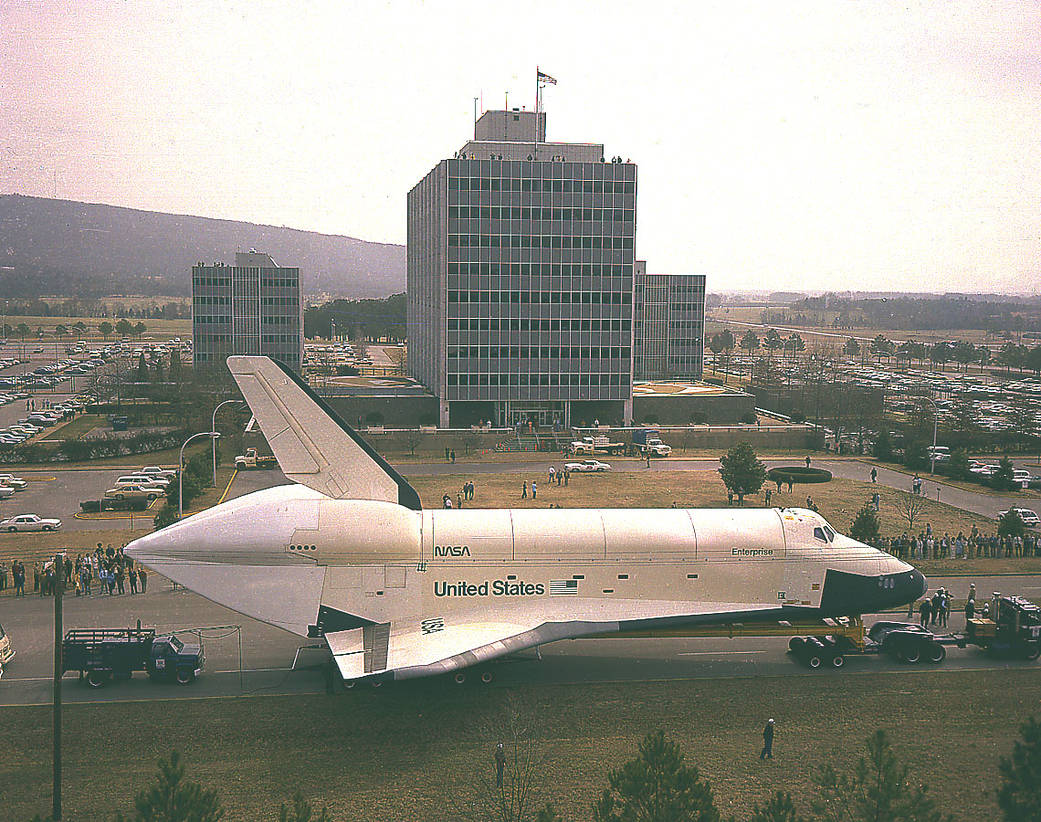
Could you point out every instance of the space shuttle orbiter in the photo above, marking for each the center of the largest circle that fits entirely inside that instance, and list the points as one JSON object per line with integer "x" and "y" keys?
{"x": 346, "y": 553}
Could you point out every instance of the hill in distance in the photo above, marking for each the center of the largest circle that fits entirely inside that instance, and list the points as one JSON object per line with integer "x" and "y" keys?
{"x": 73, "y": 249}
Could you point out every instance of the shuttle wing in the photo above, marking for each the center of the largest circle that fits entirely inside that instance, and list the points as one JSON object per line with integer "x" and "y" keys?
{"x": 420, "y": 651}
{"x": 435, "y": 646}
{"x": 313, "y": 446}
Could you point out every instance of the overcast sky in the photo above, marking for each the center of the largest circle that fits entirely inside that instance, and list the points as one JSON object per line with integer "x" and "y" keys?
{"x": 828, "y": 145}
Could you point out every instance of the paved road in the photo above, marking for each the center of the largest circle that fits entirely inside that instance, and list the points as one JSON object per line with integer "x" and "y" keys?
{"x": 268, "y": 653}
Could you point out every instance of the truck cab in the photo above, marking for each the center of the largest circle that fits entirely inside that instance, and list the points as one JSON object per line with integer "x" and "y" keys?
{"x": 174, "y": 659}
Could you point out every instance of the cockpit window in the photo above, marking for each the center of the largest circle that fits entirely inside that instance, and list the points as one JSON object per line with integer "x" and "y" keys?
{"x": 830, "y": 533}
{"x": 818, "y": 532}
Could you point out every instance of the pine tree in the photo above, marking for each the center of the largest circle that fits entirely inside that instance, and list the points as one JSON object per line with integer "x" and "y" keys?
{"x": 778, "y": 808}
{"x": 866, "y": 525}
{"x": 657, "y": 786}
{"x": 301, "y": 811}
{"x": 172, "y": 799}
{"x": 879, "y": 790}
{"x": 883, "y": 448}
{"x": 741, "y": 470}
{"x": 1019, "y": 796}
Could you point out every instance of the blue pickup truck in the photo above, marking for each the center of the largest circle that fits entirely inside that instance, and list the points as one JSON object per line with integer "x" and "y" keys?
{"x": 103, "y": 654}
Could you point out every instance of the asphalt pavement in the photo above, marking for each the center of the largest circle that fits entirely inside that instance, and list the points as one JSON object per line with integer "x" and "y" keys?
{"x": 268, "y": 654}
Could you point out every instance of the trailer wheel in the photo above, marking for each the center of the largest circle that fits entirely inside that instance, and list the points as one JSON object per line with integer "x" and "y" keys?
{"x": 459, "y": 677}
{"x": 184, "y": 676}
{"x": 911, "y": 653}
{"x": 813, "y": 660}
{"x": 97, "y": 679}
{"x": 487, "y": 676}
{"x": 936, "y": 653}
{"x": 1032, "y": 651}
{"x": 837, "y": 661}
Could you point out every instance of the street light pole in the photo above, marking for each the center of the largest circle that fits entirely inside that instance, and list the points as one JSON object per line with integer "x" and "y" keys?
{"x": 59, "y": 585}
{"x": 180, "y": 470}
{"x": 213, "y": 427}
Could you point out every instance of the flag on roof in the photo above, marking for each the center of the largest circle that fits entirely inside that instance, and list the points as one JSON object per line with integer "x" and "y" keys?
{"x": 545, "y": 78}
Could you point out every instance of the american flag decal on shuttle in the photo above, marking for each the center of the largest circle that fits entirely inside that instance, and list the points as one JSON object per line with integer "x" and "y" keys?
{"x": 563, "y": 587}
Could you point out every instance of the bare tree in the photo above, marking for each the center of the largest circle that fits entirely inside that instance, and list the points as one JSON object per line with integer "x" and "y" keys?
{"x": 470, "y": 441}
{"x": 518, "y": 798}
{"x": 911, "y": 507}
{"x": 413, "y": 437}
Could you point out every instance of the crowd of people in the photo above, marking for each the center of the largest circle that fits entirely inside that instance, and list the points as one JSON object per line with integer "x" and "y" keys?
{"x": 929, "y": 545}
{"x": 106, "y": 571}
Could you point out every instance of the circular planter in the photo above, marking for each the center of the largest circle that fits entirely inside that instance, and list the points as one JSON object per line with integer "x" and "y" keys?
{"x": 798, "y": 474}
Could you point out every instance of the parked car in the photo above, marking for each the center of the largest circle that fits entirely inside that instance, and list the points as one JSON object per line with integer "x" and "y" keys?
{"x": 29, "y": 522}
{"x": 157, "y": 472}
{"x": 11, "y": 481}
{"x": 131, "y": 491}
{"x": 1030, "y": 519}
{"x": 587, "y": 465}
{"x": 137, "y": 479}
{"x": 6, "y": 492}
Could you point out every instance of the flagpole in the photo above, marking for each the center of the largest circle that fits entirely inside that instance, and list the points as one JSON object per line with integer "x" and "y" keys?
{"x": 536, "y": 154}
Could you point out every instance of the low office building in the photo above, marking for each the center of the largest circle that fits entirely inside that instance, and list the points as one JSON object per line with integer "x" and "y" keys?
{"x": 520, "y": 279}
{"x": 252, "y": 307}
{"x": 668, "y": 325}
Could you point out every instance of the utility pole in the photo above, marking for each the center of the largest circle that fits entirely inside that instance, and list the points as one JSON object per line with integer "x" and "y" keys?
{"x": 59, "y": 585}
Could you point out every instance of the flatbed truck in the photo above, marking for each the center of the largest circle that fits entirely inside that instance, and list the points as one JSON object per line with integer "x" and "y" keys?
{"x": 103, "y": 654}
{"x": 252, "y": 460}
{"x": 590, "y": 446}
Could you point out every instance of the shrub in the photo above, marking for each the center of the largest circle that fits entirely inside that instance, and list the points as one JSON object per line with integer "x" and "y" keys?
{"x": 797, "y": 416}
{"x": 748, "y": 418}
{"x": 798, "y": 474}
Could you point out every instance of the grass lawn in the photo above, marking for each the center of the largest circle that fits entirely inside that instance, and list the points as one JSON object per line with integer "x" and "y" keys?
{"x": 838, "y": 500}
{"x": 412, "y": 750}
{"x": 74, "y": 429}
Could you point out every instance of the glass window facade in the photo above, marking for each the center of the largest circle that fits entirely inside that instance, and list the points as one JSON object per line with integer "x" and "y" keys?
{"x": 669, "y": 325}
{"x": 520, "y": 280}
{"x": 246, "y": 310}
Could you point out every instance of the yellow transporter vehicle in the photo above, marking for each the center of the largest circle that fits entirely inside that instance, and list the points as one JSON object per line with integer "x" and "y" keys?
{"x": 6, "y": 651}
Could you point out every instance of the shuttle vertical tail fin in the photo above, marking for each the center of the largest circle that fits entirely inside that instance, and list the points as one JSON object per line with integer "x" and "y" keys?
{"x": 313, "y": 446}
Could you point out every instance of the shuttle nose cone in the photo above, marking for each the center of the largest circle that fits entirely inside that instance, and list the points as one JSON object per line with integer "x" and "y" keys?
{"x": 847, "y": 594}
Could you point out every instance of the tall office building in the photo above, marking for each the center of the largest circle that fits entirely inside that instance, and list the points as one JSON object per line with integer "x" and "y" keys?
{"x": 520, "y": 278}
{"x": 252, "y": 307}
{"x": 669, "y": 325}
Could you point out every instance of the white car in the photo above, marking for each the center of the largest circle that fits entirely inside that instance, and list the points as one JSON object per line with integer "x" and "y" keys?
{"x": 156, "y": 472}
{"x": 29, "y": 522}
{"x": 6, "y": 492}
{"x": 1030, "y": 519}
{"x": 132, "y": 491}
{"x": 138, "y": 479}
{"x": 11, "y": 481}
{"x": 587, "y": 465}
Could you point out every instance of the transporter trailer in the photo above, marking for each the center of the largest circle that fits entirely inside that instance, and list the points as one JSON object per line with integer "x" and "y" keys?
{"x": 1014, "y": 631}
